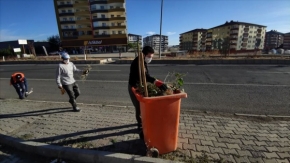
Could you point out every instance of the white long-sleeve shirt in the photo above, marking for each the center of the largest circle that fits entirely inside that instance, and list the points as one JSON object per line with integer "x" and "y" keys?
{"x": 65, "y": 73}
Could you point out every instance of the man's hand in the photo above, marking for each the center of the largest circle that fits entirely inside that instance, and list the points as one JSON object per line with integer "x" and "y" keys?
{"x": 161, "y": 85}
{"x": 60, "y": 87}
{"x": 86, "y": 71}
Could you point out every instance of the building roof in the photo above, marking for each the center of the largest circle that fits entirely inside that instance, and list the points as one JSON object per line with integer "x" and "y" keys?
{"x": 195, "y": 30}
{"x": 130, "y": 34}
{"x": 275, "y": 32}
{"x": 236, "y": 22}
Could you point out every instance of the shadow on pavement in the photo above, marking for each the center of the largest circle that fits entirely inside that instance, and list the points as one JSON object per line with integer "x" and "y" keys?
{"x": 37, "y": 113}
{"x": 133, "y": 146}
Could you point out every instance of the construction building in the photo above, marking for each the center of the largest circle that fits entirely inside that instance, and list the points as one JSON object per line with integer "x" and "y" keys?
{"x": 274, "y": 39}
{"x": 98, "y": 24}
{"x": 193, "y": 40}
{"x": 154, "y": 42}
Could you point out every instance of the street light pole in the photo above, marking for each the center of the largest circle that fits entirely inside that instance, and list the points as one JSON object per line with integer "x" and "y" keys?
{"x": 160, "y": 30}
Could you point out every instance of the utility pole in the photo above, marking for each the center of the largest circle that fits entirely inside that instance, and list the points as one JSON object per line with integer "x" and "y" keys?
{"x": 160, "y": 30}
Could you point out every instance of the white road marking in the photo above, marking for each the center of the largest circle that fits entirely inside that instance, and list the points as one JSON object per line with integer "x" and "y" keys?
{"x": 120, "y": 81}
{"x": 268, "y": 72}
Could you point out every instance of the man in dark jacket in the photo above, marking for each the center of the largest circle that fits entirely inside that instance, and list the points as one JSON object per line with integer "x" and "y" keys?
{"x": 148, "y": 54}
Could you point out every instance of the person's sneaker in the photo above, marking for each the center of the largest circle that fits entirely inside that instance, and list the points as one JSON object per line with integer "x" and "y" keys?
{"x": 26, "y": 94}
{"x": 76, "y": 109}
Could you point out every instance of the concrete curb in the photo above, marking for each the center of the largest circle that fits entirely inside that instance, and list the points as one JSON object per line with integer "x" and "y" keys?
{"x": 101, "y": 61}
{"x": 215, "y": 61}
{"x": 75, "y": 154}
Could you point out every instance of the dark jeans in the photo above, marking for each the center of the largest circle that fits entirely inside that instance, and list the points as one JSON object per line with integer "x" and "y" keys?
{"x": 73, "y": 91}
{"x": 22, "y": 86}
{"x": 136, "y": 105}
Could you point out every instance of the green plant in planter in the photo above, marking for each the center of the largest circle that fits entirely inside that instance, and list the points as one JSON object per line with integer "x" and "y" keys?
{"x": 175, "y": 81}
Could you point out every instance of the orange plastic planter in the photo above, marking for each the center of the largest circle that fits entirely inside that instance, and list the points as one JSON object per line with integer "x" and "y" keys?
{"x": 160, "y": 120}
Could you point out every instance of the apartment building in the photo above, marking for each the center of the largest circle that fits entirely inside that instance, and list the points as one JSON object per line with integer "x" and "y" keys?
{"x": 133, "y": 38}
{"x": 274, "y": 39}
{"x": 241, "y": 36}
{"x": 100, "y": 24}
{"x": 193, "y": 40}
{"x": 154, "y": 42}
{"x": 286, "y": 41}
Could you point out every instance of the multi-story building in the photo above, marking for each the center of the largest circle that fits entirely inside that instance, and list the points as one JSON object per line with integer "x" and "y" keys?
{"x": 241, "y": 36}
{"x": 193, "y": 40}
{"x": 154, "y": 42}
{"x": 286, "y": 43}
{"x": 274, "y": 39}
{"x": 97, "y": 23}
{"x": 132, "y": 38}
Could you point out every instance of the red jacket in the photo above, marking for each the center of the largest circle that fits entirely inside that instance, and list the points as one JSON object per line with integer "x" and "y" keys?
{"x": 14, "y": 80}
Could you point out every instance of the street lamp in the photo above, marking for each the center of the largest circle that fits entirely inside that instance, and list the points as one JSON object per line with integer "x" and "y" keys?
{"x": 160, "y": 29}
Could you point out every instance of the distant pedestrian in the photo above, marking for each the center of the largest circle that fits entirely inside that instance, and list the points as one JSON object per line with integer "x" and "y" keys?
{"x": 19, "y": 82}
{"x": 65, "y": 79}
{"x": 148, "y": 53}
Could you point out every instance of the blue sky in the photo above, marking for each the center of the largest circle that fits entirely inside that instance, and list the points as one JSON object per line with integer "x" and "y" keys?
{"x": 35, "y": 19}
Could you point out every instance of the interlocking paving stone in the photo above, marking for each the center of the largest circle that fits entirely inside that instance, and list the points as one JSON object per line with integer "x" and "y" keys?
{"x": 271, "y": 155}
{"x": 218, "y": 136}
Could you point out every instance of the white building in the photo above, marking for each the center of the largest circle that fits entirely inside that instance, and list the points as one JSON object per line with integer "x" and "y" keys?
{"x": 154, "y": 41}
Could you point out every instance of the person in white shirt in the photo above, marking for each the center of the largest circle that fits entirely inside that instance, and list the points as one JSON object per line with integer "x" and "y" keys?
{"x": 65, "y": 79}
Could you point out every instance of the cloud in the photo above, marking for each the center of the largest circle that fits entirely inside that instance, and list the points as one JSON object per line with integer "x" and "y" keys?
{"x": 8, "y": 35}
{"x": 171, "y": 33}
{"x": 150, "y": 33}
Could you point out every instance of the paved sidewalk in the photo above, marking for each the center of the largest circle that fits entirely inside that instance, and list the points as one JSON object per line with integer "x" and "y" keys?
{"x": 113, "y": 128}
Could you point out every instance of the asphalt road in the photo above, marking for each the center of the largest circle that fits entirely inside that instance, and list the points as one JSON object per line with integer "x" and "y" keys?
{"x": 253, "y": 89}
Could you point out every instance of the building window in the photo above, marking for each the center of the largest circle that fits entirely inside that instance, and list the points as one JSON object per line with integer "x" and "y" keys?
{"x": 113, "y": 32}
{"x": 104, "y": 33}
{"x": 68, "y": 2}
{"x": 111, "y": 7}
{"x": 64, "y": 19}
{"x": 71, "y": 19}
{"x": 119, "y": 32}
{"x": 79, "y": 26}
{"x": 103, "y": 24}
{"x": 118, "y": 15}
{"x": 113, "y": 24}
{"x": 78, "y": 18}
{"x": 112, "y": 16}
{"x": 95, "y": 17}
{"x": 102, "y": 7}
{"x": 96, "y": 33}
{"x": 63, "y": 11}
{"x": 103, "y": 16}
{"x": 69, "y": 11}
{"x": 66, "y": 27}
{"x": 119, "y": 24}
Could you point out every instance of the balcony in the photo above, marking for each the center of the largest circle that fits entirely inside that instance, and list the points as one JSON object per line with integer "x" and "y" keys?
{"x": 101, "y": 19}
{"x": 69, "y": 37}
{"x": 69, "y": 29}
{"x": 117, "y": 18}
{"x": 116, "y": 1}
{"x": 234, "y": 27}
{"x": 82, "y": 12}
{"x": 64, "y": 5}
{"x": 244, "y": 44}
{"x": 245, "y": 39}
{"x": 102, "y": 36}
{"x": 92, "y": 2}
{"x": 66, "y": 14}
{"x": 118, "y": 9}
{"x": 99, "y": 11}
{"x": 67, "y": 22}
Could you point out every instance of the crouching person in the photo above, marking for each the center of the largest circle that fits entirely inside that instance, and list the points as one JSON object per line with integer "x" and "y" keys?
{"x": 65, "y": 79}
{"x": 19, "y": 82}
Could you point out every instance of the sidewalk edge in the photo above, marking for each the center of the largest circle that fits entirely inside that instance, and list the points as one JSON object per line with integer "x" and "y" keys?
{"x": 75, "y": 154}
